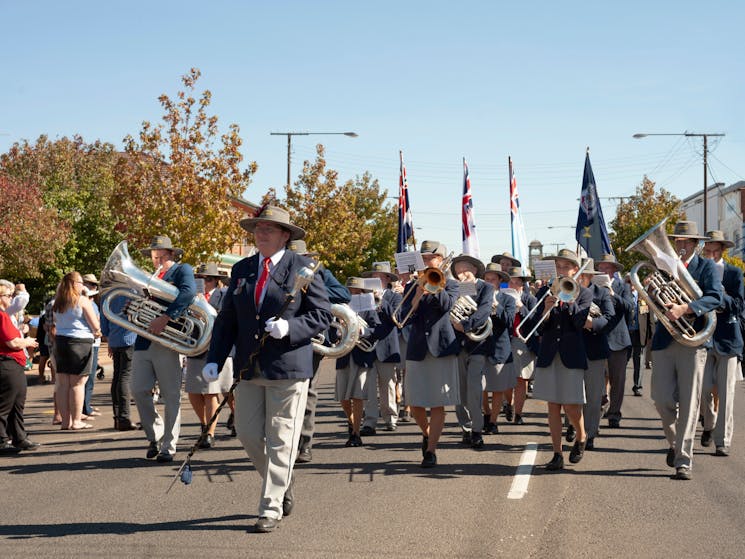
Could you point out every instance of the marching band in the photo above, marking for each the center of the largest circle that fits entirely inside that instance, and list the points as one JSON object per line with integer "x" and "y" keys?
{"x": 460, "y": 334}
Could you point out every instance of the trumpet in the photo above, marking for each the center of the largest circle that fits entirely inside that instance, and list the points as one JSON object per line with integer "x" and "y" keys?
{"x": 564, "y": 288}
{"x": 432, "y": 280}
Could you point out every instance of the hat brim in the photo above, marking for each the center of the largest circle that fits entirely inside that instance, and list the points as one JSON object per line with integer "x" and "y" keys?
{"x": 554, "y": 257}
{"x": 697, "y": 237}
{"x": 478, "y": 264}
{"x": 499, "y": 257}
{"x": 502, "y": 275}
{"x": 724, "y": 243}
{"x": 296, "y": 233}
{"x": 617, "y": 265}
{"x": 177, "y": 252}
{"x": 369, "y": 274}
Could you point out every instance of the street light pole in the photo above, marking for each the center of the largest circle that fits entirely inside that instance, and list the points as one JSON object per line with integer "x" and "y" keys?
{"x": 289, "y": 143}
{"x": 706, "y": 168}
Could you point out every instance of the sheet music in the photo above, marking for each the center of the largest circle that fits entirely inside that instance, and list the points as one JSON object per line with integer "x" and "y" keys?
{"x": 409, "y": 261}
{"x": 362, "y": 302}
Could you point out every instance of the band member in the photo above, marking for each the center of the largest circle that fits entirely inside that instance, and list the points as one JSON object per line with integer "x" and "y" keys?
{"x": 404, "y": 414}
{"x": 506, "y": 261}
{"x": 638, "y": 336}
{"x": 352, "y": 369}
{"x": 499, "y": 373}
{"x": 204, "y": 396}
{"x": 677, "y": 369}
{"x": 619, "y": 339}
{"x": 338, "y": 294}
{"x": 523, "y": 354}
{"x": 153, "y": 362}
{"x": 721, "y": 370}
{"x": 595, "y": 335}
{"x": 431, "y": 379}
{"x": 381, "y": 380}
{"x": 273, "y": 354}
{"x": 472, "y": 356}
{"x": 562, "y": 360}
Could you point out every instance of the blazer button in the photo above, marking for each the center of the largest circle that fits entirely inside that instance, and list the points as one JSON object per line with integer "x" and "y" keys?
{"x": 426, "y": 333}
{"x": 256, "y": 336}
{"x": 258, "y": 317}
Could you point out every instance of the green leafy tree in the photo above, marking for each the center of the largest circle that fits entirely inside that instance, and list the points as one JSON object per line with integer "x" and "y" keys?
{"x": 638, "y": 214}
{"x": 177, "y": 177}
{"x": 30, "y": 233}
{"x": 349, "y": 225}
{"x": 76, "y": 182}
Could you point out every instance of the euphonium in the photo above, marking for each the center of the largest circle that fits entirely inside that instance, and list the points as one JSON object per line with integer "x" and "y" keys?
{"x": 189, "y": 334}
{"x": 669, "y": 282}
{"x": 345, "y": 322}
{"x": 464, "y": 307}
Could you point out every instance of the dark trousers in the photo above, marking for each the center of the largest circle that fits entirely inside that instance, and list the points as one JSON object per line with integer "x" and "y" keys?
{"x": 636, "y": 356}
{"x": 309, "y": 421}
{"x": 12, "y": 400}
{"x": 120, "y": 383}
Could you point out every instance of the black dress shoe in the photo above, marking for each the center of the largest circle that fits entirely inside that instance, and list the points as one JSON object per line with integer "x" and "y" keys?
{"x": 304, "y": 456}
{"x": 152, "y": 450}
{"x": 207, "y": 442}
{"x": 683, "y": 473}
{"x": 590, "y": 443}
{"x": 577, "y": 452}
{"x": 265, "y": 525}
{"x": 230, "y": 423}
{"x": 466, "y": 439}
{"x": 637, "y": 390}
{"x": 519, "y": 419}
{"x": 121, "y": 424}
{"x": 571, "y": 434}
{"x": 164, "y": 458}
{"x": 477, "y": 441}
{"x": 7, "y": 448}
{"x": 508, "y": 412}
{"x": 429, "y": 460}
{"x": 368, "y": 431}
{"x": 425, "y": 444}
{"x": 706, "y": 438}
{"x": 722, "y": 451}
{"x": 288, "y": 502}
{"x": 557, "y": 462}
{"x": 670, "y": 458}
{"x": 27, "y": 444}
{"x": 614, "y": 423}
{"x": 354, "y": 440}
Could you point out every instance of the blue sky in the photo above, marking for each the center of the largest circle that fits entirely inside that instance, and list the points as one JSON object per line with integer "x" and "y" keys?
{"x": 539, "y": 81}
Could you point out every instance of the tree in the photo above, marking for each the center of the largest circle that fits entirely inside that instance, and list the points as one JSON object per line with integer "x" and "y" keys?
{"x": 349, "y": 225}
{"x": 177, "y": 177}
{"x": 76, "y": 182}
{"x": 638, "y": 214}
{"x": 30, "y": 232}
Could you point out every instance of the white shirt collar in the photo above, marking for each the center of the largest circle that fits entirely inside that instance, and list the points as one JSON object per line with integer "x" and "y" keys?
{"x": 275, "y": 258}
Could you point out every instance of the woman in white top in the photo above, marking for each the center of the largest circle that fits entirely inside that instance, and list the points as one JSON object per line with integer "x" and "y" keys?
{"x": 76, "y": 326}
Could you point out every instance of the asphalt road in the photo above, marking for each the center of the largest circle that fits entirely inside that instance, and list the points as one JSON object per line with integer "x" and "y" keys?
{"x": 93, "y": 494}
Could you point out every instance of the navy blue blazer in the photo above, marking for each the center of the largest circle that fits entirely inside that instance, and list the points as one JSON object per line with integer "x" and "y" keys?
{"x": 529, "y": 301}
{"x": 240, "y": 324}
{"x": 484, "y": 300}
{"x": 359, "y": 356}
{"x": 562, "y": 331}
{"x": 596, "y": 340}
{"x": 182, "y": 276}
{"x": 623, "y": 303}
{"x": 702, "y": 270}
{"x": 430, "y": 323}
{"x": 388, "y": 349}
{"x": 727, "y": 335}
{"x": 497, "y": 346}
{"x": 338, "y": 294}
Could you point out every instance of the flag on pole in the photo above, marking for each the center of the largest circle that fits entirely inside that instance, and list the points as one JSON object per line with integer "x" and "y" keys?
{"x": 470, "y": 239}
{"x": 519, "y": 241}
{"x": 406, "y": 238}
{"x": 591, "y": 232}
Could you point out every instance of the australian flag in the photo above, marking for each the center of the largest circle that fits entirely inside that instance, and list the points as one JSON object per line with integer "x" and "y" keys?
{"x": 470, "y": 239}
{"x": 406, "y": 240}
{"x": 591, "y": 233}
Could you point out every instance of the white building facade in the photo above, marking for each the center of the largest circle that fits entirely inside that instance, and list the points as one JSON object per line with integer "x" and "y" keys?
{"x": 724, "y": 212}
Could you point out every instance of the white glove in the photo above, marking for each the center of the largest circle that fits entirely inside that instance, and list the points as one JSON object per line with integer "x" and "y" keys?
{"x": 210, "y": 372}
{"x": 277, "y": 329}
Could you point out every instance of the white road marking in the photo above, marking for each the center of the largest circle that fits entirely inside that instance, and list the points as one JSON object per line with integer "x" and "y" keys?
{"x": 522, "y": 475}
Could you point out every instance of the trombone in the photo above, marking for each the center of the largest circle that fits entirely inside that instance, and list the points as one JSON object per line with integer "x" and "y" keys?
{"x": 564, "y": 288}
{"x": 432, "y": 280}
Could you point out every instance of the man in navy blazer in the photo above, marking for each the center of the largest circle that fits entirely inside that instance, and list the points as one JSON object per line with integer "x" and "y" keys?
{"x": 722, "y": 367}
{"x": 154, "y": 362}
{"x": 677, "y": 369}
{"x": 273, "y": 357}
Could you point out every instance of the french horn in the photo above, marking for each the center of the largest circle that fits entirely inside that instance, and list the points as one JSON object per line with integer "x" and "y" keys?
{"x": 188, "y": 334}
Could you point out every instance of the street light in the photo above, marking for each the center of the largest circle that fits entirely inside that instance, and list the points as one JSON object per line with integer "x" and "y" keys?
{"x": 706, "y": 150}
{"x": 289, "y": 142}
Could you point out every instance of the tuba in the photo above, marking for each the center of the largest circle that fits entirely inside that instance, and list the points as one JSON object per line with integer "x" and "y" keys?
{"x": 189, "y": 334}
{"x": 464, "y": 307}
{"x": 346, "y": 323}
{"x": 668, "y": 282}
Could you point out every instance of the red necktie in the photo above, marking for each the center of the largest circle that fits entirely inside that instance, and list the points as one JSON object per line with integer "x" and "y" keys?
{"x": 262, "y": 282}
{"x": 207, "y": 296}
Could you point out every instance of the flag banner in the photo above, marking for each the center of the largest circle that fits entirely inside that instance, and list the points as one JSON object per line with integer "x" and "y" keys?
{"x": 591, "y": 232}
{"x": 519, "y": 241}
{"x": 470, "y": 239}
{"x": 406, "y": 240}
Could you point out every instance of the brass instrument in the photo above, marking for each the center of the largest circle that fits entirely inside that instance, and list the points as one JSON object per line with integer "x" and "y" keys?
{"x": 432, "y": 280}
{"x": 564, "y": 288}
{"x": 365, "y": 345}
{"x": 464, "y": 307}
{"x": 594, "y": 311}
{"x": 346, "y": 323}
{"x": 669, "y": 282}
{"x": 188, "y": 334}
